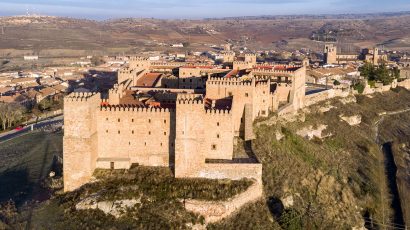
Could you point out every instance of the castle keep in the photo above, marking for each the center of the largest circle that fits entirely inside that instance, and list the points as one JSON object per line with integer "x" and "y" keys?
{"x": 179, "y": 115}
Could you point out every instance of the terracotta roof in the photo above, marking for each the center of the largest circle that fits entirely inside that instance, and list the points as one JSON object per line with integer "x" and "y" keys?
{"x": 236, "y": 72}
{"x": 31, "y": 84}
{"x": 47, "y": 91}
{"x": 13, "y": 98}
{"x": 5, "y": 89}
{"x": 149, "y": 79}
{"x": 129, "y": 99}
{"x": 329, "y": 71}
{"x": 31, "y": 93}
{"x": 60, "y": 87}
{"x": 22, "y": 80}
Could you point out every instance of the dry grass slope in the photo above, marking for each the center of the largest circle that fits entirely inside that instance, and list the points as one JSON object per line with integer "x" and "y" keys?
{"x": 333, "y": 181}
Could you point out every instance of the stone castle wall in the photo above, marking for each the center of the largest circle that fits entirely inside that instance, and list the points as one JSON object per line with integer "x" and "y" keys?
{"x": 243, "y": 93}
{"x": 139, "y": 135}
{"x": 233, "y": 171}
{"x": 200, "y": 134}
{"x": 80, "y": 138}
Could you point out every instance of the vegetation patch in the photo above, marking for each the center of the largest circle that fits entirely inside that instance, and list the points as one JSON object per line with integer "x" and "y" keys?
{"x": 335, "y": 183}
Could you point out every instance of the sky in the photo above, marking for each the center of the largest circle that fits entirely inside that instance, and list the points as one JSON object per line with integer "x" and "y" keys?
{"x": 194, "y": 9}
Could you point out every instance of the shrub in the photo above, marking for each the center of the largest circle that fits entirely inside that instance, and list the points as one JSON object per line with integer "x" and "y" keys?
{"x": 359, "y": 87}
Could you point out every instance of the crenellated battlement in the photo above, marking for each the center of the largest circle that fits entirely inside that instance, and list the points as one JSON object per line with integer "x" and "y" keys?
{"x": 201, "y": 66}
{"x": 138, "y": 58}
{"x": 240, "y": 62}
{"x": 82, "y": 97}
{"x": 272, "y": 71}
{"x": 133, "y": 108}
{"x": 261, "y": 78}
{"x": 190, "y": 99}
{"x": 228, "y": 81}
{"x": 287, "y": 69}
{"x": 217, "y": 112}
{"x": 161, "y": 64}
{"x": 262, "y": 83}
{"x": 228, "y": 52}
{"x": 126, "y": 70}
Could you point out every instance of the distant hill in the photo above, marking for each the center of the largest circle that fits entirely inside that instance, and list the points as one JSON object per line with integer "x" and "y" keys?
{"x": 59, "y": 36}
{"x": 321, "y": 16}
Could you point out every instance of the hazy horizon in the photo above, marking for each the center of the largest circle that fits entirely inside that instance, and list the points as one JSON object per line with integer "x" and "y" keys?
{"x": 195, "y": 9}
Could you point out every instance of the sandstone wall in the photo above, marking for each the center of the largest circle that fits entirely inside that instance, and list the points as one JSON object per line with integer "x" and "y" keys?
{"x": 200, "y": 135}
{"x": 80, "y": 138}
{"x": 256, "y": 94}
{"x": 143, "y": 136}
{"x": 242, "y": 92}
{"x": 283, "y": 91}
{"x": 297, "y": 96}
{"x": 232, "y": 171}
{"x": 325, "y": 95}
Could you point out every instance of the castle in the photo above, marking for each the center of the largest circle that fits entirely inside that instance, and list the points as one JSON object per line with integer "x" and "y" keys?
{"x": 189, "y": 117}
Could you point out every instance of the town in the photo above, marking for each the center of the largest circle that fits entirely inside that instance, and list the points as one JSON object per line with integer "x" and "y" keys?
{"x": 45, "y": 88}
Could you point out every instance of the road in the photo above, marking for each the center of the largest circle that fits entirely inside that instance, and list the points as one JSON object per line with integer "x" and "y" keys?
{"x": 315, "y": 88}
{"x": 41, "y": 124}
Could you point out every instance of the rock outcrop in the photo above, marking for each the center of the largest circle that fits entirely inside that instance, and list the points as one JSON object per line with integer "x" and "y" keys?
{"x": 116, "y": 208}
{"x": 310, "y": 132}
{"x": 352, "y": 120}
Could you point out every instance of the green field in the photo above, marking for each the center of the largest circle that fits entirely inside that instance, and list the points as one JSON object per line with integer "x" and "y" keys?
{"x": 25, "y": 162}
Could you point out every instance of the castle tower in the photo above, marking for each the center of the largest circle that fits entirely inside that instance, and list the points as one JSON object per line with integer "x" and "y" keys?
{"x": 306, "y": 62}
{"x": 330, "y": 54}
{"x": 80, "y": 138}
{"x": 139, "y": 63}
{"x": 376, "y": 56}
{"x": 250, "y": 58}
{"x": 228, "y": 56}
{"x": 228, "y": 47}
{"x": 190, "y": 138}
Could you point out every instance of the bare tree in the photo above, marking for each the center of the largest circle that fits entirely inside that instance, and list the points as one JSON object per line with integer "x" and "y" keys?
{"x": 10, "y": 114}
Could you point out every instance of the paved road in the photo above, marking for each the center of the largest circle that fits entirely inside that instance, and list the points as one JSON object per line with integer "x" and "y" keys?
{"x": 41, "y": 124}
{"x": 315, "y": 88}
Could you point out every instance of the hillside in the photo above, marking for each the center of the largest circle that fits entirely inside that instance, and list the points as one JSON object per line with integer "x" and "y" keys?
{"x": 54, "y": 36}
{"x": 336, "y": 180}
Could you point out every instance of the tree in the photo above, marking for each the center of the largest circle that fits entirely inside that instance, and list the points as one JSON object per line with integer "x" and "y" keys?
{"x": 96, "y": 60}
{"x": 10, "y": 114}
{"x": 380, "y": 73}
{"x": 367, "y": 71}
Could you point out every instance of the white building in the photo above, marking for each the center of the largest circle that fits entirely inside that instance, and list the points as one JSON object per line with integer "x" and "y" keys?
{"x": 30, "y": 58}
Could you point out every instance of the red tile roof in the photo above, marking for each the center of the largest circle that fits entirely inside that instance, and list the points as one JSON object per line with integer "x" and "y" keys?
{"x": 149, "y": 79}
